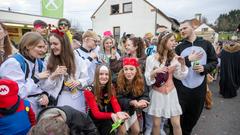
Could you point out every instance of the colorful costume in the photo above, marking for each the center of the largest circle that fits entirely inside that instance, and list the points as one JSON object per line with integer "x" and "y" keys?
{"x": 16, "y": 115}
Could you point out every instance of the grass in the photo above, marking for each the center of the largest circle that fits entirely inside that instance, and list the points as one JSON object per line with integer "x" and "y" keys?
{"x": 225, "y": 36}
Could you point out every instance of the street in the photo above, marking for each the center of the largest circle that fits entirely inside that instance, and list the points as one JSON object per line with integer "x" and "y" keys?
{"x": 222, "y": 119}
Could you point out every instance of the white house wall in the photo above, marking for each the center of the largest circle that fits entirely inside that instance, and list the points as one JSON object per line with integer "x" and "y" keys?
{"x": 163, "y": 21}
{"x": 139, "y": 22}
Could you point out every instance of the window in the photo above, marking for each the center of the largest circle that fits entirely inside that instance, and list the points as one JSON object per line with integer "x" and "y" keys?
{"x": 127, "y": 7}
{"x": 116, "y": 33}
{"x": 204, "y": 29}
{"x": 115, "y": 9}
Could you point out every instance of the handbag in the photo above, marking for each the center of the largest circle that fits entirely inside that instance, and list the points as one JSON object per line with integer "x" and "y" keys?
{"x": 161, "y": 78}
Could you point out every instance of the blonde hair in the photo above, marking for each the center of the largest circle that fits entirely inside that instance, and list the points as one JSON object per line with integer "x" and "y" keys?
{"x": 29, "y": 41}
{"x": 90, "y": 34}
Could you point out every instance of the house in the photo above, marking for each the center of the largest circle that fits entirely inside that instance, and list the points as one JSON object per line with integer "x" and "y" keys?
{"x": 208, "y": 33}
{"x": 131, "y": 16}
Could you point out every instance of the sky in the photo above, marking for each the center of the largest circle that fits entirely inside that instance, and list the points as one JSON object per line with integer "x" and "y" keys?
{"x": 80, "y": 11}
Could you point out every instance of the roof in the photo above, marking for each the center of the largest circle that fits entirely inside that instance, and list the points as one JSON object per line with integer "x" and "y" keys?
{"x": 158, "y": 11}
{"x": 204, "y": 25}
{"x": 98, "y": 8}
{"x": 195, "y": 22}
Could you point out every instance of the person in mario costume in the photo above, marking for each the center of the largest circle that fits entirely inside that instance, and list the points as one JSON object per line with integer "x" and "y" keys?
{"x": 16, "y": 115}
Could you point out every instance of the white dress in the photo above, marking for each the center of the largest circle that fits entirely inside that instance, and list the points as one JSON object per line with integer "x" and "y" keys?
{"x": 162, "y": 104}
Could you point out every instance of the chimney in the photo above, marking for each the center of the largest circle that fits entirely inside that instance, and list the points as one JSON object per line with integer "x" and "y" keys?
{"x": 198, "y": 16}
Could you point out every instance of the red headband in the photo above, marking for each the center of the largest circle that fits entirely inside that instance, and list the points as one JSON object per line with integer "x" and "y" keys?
{"x": 38, "y": 26}
{"x": 57, "y": 32}
{"x": 130, "y": 61}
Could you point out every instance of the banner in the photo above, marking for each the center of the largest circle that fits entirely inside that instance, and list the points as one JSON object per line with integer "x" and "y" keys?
{"x": 52, "y": 8}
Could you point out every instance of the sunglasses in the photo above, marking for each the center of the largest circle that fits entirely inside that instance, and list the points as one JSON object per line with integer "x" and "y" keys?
{"x": 63, "y": 23}
{"x": 157, "y": 33}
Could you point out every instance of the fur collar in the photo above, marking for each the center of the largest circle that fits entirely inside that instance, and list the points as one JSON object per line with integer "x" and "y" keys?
{"x": 233, "y": 48}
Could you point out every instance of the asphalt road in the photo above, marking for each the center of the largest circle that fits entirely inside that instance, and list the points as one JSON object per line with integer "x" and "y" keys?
{"x": 223, "y": 118}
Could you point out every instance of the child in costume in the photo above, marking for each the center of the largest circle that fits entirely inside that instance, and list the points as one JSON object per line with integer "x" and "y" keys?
{"x": 16, "y": 114}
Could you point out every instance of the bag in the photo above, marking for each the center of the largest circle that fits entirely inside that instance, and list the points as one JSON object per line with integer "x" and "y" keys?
{"x": 161, "y": 78}
{"x": 24, "y": 65}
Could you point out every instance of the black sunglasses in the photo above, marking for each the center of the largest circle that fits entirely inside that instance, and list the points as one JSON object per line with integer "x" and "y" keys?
{"x": 63, "y": 23}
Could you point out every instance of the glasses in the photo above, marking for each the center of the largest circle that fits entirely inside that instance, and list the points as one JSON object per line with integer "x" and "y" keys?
{"x": 63, "y": 23}
{"x": 95, "y": 41}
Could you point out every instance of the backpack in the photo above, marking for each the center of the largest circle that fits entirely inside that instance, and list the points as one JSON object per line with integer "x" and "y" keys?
{"x": 24, "y": 65}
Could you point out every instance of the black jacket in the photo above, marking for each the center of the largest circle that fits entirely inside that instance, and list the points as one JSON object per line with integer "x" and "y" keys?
{"x": 125, "y": 98}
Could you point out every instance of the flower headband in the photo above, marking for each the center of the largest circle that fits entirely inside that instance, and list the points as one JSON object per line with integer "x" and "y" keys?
{"x": 165, "y": 33}
{"x": 56, "y": 31}
{"x": 104, "y": 68}
{"x": 130, "y": 61}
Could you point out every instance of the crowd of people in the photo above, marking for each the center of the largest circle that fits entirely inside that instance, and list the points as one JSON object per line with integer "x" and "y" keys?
{"x": 59, "y": 82}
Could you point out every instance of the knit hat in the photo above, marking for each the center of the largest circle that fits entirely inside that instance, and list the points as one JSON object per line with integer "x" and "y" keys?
{"x": 8, "y": 93}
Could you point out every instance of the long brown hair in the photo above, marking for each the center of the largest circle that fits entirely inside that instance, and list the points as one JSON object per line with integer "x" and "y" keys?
{"x": 136, "y": 87}
{"x": 7, "y": 43}
{"x": 162, "y": 42}
{"x": 138, "y": 41}
{"x": 66, "y": 57}
{"x": 97, "y": 86}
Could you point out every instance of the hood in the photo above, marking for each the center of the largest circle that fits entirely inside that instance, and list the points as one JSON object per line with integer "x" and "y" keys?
{"x": 232, "y": 48}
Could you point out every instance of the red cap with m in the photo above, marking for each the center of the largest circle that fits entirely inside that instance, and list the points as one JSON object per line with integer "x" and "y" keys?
{"x": 8, "y": 93}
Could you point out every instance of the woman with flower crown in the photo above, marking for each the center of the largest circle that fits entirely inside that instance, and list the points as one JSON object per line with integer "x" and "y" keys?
{"x": 67, "y": 73}
{"x": 160, "y": 69}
